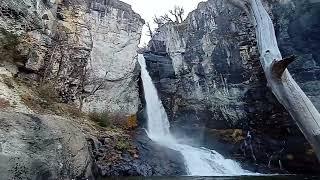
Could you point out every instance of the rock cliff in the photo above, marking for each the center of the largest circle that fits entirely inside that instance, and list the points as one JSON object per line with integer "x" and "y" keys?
{"x": 55, "y": 54}
{"x": 84, "y": 49}
{"x": 209, "y": 77}
{"x": 58, "y": 53}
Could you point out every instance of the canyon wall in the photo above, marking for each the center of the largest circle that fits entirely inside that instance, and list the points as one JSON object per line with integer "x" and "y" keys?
{"x": 85, "y": 50}
{"x": 210, "y": 80}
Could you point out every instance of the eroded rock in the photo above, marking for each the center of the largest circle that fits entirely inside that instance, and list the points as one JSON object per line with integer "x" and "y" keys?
{"x": 42, "y": 147}
{"x": 86, "y": 48}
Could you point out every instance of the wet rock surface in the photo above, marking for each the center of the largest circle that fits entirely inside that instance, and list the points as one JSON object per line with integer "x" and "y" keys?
{"x": 141, "y": 158}
{"x": 164, "y": 161}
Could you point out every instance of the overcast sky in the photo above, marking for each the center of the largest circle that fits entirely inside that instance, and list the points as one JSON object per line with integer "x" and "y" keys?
{"x": 148, "y": 8}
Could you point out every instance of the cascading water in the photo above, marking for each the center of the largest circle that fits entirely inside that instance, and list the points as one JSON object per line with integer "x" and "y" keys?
{"x": 198, "y": 161}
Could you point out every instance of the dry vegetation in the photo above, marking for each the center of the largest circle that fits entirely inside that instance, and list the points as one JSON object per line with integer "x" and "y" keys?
{"x": 114, "y": 120}
{"x": 4, "y": 103}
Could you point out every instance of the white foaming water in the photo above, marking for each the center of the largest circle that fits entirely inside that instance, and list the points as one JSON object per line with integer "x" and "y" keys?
{"x": 198, "y": 161}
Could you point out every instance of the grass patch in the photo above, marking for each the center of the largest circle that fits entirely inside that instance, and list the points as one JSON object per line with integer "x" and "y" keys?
{"x": 114, "y": 120}
{"x": 7, "y": 81}
{"x": 34, "y": 103}
{"x": 102, "y": 119}
{"x": 123, "y": 144}
{"x": 44, "y": 106}
{"x": 48, "y": 92}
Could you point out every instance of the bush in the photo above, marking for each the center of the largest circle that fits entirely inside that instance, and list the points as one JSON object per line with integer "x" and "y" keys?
{"x": 114, "y": 120}
{"x": 48, "y": 92}
{"x": 67, "y": 109}
{"x": 7, "y": 81}
{"x": 9, "y": 40}
{"x": 132, "y": 122}
{"x": 122, "y": 144}
{"x": 35, "y": 103}
{"x": 9, "y": 46}
{"x": 102, "y": 119}
{"x": 4, "y": 103}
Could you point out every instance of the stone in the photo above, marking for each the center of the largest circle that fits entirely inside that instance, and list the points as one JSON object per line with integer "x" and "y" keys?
{"x": 38, "y": 147}
{"x": 78, "y": 45}
{"x": 142, "y": 158}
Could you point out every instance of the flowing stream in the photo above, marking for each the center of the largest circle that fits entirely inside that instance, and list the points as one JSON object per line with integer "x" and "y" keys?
{"x": 198, "y": 161}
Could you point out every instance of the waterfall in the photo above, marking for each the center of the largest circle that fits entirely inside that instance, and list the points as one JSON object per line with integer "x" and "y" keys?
{"x": 198, "y": 161}
{"x": 37, "y": 4}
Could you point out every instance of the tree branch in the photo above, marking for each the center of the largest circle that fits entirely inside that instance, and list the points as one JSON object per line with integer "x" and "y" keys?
{"x": 279, "y": 66}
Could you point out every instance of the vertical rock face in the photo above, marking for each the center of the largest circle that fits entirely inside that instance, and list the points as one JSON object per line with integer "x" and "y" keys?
{"x": 208, "y": 74}
{"x": 116, "y": 34}
{"x": 297, "y": 25}
{"x": 86, "y": 49}
{"x": 213, "y": 61}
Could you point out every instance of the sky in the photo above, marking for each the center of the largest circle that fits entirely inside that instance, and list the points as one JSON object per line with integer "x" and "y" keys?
{"x": 149, "y": 8}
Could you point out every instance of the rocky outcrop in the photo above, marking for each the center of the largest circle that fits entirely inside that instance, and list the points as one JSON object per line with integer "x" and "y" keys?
{"x": 134, "y": 155}
{"x": 55, "y": 147}
{"x": 42, "y": 147}
{"x": 85, "y": 49}
{"x": 208, "y": 74}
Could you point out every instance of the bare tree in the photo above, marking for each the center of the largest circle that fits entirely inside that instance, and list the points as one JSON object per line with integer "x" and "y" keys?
{"x": 166, "y": 18}
{"x": 162, "y": 20}
{"x": 279, "y": 79}
{"x": 177, "y": 12}
{"x": 150, "y": 32}
{"x": 158, "y": 21}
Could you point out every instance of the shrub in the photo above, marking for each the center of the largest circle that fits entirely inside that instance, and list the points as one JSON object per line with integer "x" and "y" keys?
{"x": 67, "y": 109}
{"x": 48, "y": 92}
{"x": 114, "y": 120}
{"x": 9, "y": 44}
{"x": 7, "y": 81}
{"x": 4, "y": 103}
{"x": 9, "y": 40}
{"x": 132, "y": 122}
{"x": 102, "y": 119}
{"x": 122, "y": 144}
{"x": 34, "y": 103}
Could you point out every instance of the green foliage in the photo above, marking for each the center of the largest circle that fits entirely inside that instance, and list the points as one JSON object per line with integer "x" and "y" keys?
{"x": 102, "y": 119}
{"x": 122, "y": 144}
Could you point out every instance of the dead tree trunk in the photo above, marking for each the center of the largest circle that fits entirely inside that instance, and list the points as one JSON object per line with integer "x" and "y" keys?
{"x": 283, "y": 86}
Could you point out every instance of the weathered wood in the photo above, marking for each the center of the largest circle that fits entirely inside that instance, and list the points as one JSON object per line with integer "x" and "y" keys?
{"x": 283, "y": 86}
{"x": 278, "y": 67}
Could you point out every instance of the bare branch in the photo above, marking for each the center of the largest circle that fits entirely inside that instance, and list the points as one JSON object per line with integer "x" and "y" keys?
{"x": 158, "y": 21}
{"x": 177, "y": 12}
{"x": 279, "y": 66}
{"x": 149, "y": 30}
